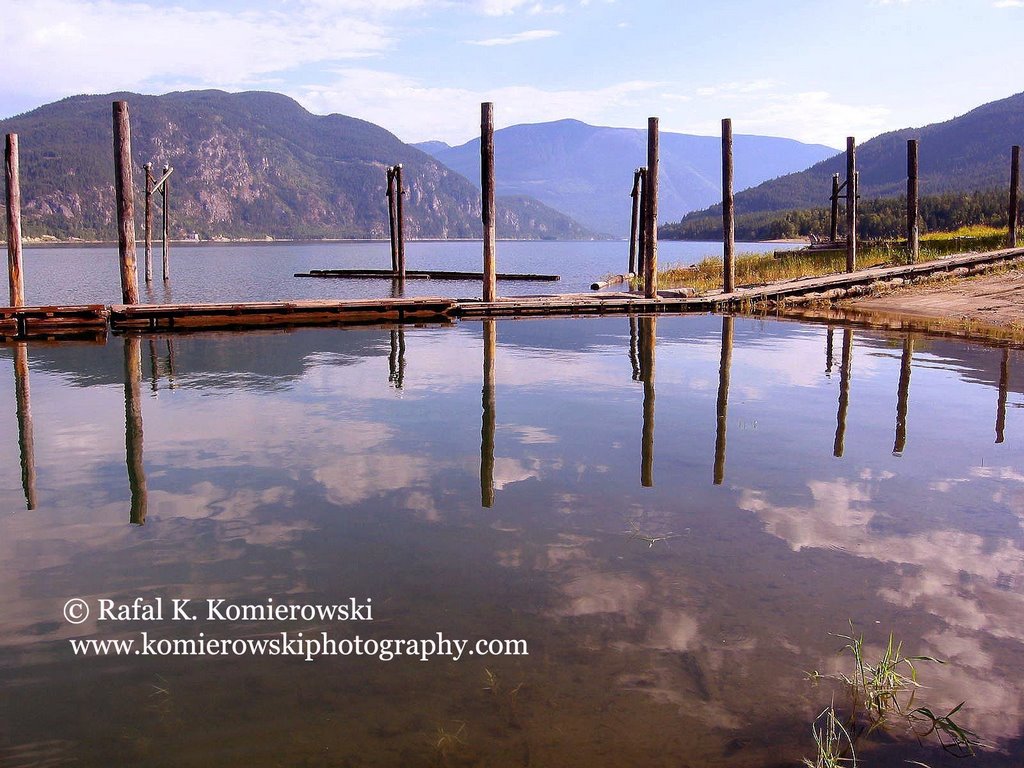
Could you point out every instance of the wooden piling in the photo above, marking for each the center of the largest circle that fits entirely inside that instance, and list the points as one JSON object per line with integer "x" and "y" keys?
{"x": 392, "y": 219}
{"x": 845, "y": 370}
{"x": 851, "y": 204}
{"x": 133, "y": 428}
{"x": 1004, "y": 388}
{"x": 1014, "y": 210}
{"x": 728, "y": 211}
{"x": 15, "y": 270}
{"x": 913, "y": 202}
{"x": 647, "y": 341}
{"x": 125, "y": 194}
{"x": 634, "y": 224}
{"x": 641, "y": 252}
{"x": 490, "y": 341}
{"x": 165, "y": 191}
{"x": 148, "y": 223}
{"x": 400, "y": 218}
{"x": 26, "y": 439}
{"x": 722, "y": 409}
{"x": 490, "y": 291}
{"x": 903, "y": 397}
{"x": 651, "y": 221}
{"x": 833, "y": 228}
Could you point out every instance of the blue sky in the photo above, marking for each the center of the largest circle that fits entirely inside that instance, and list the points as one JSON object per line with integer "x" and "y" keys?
{"x": 814, "y": 70}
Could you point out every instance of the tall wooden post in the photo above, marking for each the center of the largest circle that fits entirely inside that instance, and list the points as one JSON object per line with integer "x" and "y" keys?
{"x": 133, "y": 428}
{"x": 651, "y": 197}
{"x": 149, "y": 223}
{"x": 165, "y": 191}
{"x": 903, "y": 397}
{"x": 641, "y": 244}
{"x": 490, "y": 290}
{"x": 634, "y": 223}
{"x": 1014, "y": 212}
{"x": 913, "y": 205}
{"x": 724, "y": 371}
{"x": 851, "y": 204}
{"x": 392, "y": 220}
{"x": 1004, "y": 388}
{"x": 647, "y": 342}
{"x": 845, "y": 370}
{"x": 400, "y": 217}
{"x": 728, "y": 212}
{"x": 833, "y": 227}
{"x": 125, "y": 195}
{"x": 15, "y": 272}
{"x": 488, "y": 425}
{"x": 26, "y": 441}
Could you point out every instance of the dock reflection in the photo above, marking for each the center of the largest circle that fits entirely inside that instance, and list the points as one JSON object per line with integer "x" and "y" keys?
{"x": 490, "y": 341}
{"x": 648, "y": 332}
{"x": 903, "y": 397}
{"x": 133, "y": 428}
{"x": 26, "y": 441}
{"x": 845, "y": 370}
{"x": 722, "y": 409}
{"x": 396, "y": 359}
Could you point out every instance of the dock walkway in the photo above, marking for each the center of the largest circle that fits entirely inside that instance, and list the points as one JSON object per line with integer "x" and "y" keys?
{"x": 60, "y": 321}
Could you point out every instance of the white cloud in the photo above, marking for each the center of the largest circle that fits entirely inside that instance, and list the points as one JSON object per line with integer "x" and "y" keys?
{"x": 1008, "y": 4}
{"x": 60, "y": 47}
{"x": 519, "y": 37}
{"x": 416, "y": 112}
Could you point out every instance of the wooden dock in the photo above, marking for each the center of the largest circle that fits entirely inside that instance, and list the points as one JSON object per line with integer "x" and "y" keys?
{"x": 58, "y": 321}
{"x": 432, "y": 274}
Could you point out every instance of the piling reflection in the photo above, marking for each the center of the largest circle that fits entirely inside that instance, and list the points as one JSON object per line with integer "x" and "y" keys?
{"x": 828, "y": 350}
{"x": 845, "y": 370}
{"x": 647, "y": 341}
{"x": 398, "y": 287}
{"x": 26, "y": 441}
{"x": 396, "y": 359}
{"x": 490, "y": 340}
{"x": 722, "y": 409}
{"x": 903, "y": 397}
{"x": 133, "y": 428}
{"x": 634, "y": 361}
{"x": 1004, "y": 385}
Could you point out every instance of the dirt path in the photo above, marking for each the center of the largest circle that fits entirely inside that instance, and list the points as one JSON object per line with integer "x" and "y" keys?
{"x": 994, "y": 299}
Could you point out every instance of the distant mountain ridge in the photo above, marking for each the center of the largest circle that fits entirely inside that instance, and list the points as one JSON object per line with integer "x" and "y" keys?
{"x": 965, "y": 154}
{"x": 586, "y": 171}
{"x": 249, "y": 164}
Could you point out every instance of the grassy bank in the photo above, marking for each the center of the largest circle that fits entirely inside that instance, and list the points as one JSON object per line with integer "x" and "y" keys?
{"x": 758, "y": 268}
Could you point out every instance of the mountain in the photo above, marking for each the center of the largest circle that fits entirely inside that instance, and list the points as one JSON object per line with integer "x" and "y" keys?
{"x": 968, "y": 153}
{"x": 247, "y": 165}
{"x": 586, "y": 171}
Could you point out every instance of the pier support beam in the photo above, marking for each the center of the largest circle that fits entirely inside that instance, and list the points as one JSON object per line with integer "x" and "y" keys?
{"x": 165, "y": 191}
{"x": 634, "y": 223}
{"x": 851, "y": 204}
{"x": 400, "y": 218}
{"x": 15, "y": 271}
{"x": 148, "y": 223}
{"x": 392, "y": 219}
{"x": 651, "y": 218}
{"x": 125, "y": 196}
{"x": 913, "y": 205}
{"x": 1014, "y": 210}
{"x": 833, "y": 227}
{"x": 490, "y": 291}
{"x": 728, "y": 212}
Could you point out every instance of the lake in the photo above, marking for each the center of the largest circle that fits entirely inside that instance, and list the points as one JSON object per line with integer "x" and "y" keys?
{"x": 264, "y": 271}
{"x": 663, "y": 524}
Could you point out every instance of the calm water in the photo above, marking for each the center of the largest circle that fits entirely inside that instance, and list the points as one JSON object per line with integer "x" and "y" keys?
{"x": 674, "y": 517}
{"x": 255, "y": 272}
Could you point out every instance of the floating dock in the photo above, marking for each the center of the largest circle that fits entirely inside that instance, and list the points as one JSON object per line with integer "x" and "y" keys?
{"x": 61, "y": 321}
{"x": 432, "y": 274}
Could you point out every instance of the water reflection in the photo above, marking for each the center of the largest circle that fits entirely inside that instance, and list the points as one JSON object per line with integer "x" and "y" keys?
{"x": 26, "y": 440}
{"x": 285, "y": 466}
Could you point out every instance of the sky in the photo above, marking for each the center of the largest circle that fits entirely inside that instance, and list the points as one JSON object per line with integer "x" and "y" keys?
{"x": 813, "y": 70}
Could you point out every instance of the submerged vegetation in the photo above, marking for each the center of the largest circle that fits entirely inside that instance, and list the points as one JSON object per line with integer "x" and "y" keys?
{"x": 881, "y": 697}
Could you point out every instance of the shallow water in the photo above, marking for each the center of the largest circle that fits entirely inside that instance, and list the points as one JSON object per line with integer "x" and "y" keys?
{"x": 673, "y": 513}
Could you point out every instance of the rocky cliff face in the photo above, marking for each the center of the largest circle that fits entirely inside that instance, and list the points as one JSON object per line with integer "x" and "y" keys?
{"x": 247, "y": 165}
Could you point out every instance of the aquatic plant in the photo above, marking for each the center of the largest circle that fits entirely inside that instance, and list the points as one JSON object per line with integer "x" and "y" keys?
{"x": 882, "y": 697}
